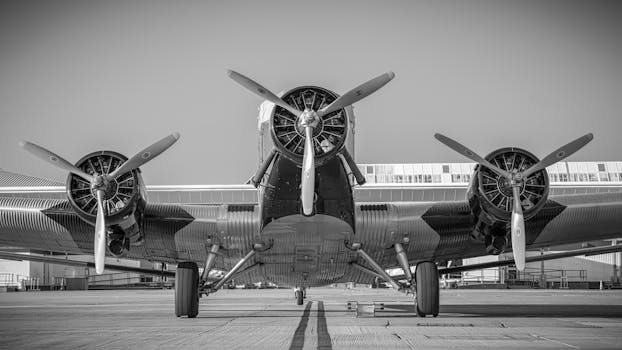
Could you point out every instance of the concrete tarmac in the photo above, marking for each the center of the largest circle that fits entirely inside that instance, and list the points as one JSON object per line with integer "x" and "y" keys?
{"x": 270, "y": 319}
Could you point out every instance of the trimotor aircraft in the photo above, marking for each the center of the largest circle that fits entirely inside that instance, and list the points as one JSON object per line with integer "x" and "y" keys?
{"x": 306, "y": 228}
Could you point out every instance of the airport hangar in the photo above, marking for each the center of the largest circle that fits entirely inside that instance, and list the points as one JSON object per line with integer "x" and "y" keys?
{"x": 397, "y": 182}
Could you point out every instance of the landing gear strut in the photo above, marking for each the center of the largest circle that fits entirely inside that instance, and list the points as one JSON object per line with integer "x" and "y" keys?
{"x": 378, "y": 271}
{"x": 402, "y": 260}
{"x": 427, "y": 297}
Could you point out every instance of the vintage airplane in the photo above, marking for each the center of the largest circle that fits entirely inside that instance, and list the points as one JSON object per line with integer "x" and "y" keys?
{"x": 306, "y": 229}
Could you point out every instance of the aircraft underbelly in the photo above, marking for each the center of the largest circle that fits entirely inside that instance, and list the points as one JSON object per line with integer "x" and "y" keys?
{"x": 306, "y": 251}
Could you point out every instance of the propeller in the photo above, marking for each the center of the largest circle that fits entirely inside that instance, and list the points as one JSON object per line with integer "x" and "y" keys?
{"x": 258, "y": 89}
{"x": 516, "y": 179}
{"x": 357, "y": 94}
{"x": 54, "y": 159}
{"x": 309, "y": 119}
{"x": 518, "y": 231}
{"x": 308, "y": 173}
{"x": 99, "y": 243}
{"x": 99, "y": 183}
{"x": 145, "y": 155}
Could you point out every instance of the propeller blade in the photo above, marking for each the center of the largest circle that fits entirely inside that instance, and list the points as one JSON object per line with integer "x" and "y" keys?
{"x": 518, "y": 231}
{"x": 456, "y": 146}
{"x": 560, "y": 154}
{"x": 146, "y": 155}
{"x": 256, "y": 88}
{"x": 308, "y": 173}
{"x": 99, "y": 241}
{"x": 358, "y": 93}
{"x": 54, "y": 159}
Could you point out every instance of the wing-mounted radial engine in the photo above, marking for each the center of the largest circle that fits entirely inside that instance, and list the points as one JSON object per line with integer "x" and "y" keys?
{"x": 106, "y": 190}
{"x": 309, "y": 126}
{"x": 510, "y": 186}
{"x": 123, "y": 198}
{"x": 491, "y": 195}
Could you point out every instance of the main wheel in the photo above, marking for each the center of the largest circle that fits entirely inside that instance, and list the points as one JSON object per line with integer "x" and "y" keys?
{"x": 299, "y": 297}
{"x": 187, "y": 290}
{"x": 426, "y": 276}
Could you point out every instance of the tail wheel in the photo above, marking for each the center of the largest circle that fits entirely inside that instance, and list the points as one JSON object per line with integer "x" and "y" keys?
{"x": 427, "y": 298}
{"x": 299, "y": 297}
{"x": 187, "y": 290}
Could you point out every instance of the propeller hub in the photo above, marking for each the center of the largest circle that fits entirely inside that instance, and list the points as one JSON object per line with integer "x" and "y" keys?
{"x": 106, "y": 184}
{"x": 505, "y": 186}
{"x": 309, "y": 118}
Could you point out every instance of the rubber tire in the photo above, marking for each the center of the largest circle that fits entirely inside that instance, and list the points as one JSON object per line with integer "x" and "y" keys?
{"x": 419, "y": 313}
{"x": 427, "y": 299}
{"x": 299, "y": 297}
{"x": 187, "y": 290}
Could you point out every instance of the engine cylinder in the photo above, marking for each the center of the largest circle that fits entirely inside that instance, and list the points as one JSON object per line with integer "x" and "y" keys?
{"x": 329, "y": 135}
{"x": 490, "y": 195}
{"x": 122, "y": 196}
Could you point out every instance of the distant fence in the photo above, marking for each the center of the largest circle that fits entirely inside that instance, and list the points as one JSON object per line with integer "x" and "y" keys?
{"x": 127, "y": 279}
{"x": 13, "y": 280}
{"x": 530, "y": 277}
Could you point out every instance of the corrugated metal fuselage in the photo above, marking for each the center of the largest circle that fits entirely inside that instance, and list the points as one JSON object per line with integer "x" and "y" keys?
{"x": 306, "y": 251}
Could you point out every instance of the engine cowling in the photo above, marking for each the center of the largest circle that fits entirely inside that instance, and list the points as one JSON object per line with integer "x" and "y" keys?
{"x": 124, "y": 199}
{"x": 490, "y": 195}
{"x": 329, "y": 136}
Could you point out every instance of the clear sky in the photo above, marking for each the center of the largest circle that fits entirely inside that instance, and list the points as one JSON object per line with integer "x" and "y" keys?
{"x": 79, "y": 76}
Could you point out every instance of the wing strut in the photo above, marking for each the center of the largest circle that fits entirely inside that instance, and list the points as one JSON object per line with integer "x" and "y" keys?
{"x": 66, "y": 262}
{"x": 551, "y": 256}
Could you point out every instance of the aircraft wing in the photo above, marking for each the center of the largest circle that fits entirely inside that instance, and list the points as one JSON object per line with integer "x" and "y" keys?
{"x": 440, "y": 231}
{"x": 434, "y": 231}
{"x": 171, "y": 232}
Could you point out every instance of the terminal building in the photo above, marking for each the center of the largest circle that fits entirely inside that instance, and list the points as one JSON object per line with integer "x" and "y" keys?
{"x": 390, "y": 183}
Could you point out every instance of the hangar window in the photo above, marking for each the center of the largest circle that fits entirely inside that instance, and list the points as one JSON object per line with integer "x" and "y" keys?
{"x": 370, "y": 169}
{"x": 445, "y": 169}
{"x": 601, "y": 167}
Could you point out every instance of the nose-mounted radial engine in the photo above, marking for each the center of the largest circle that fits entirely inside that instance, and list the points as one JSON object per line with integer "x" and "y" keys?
{"x": 309, "y": 126}
{"x": 511, "y": 185}
{"x": 105, "y": 189}
{"x": 289, "y": 131}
